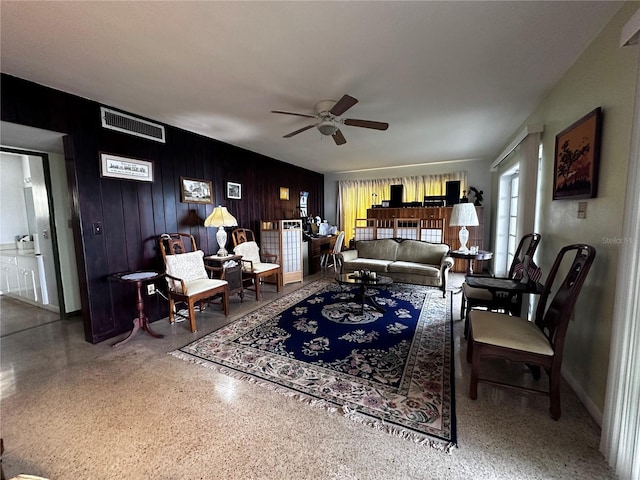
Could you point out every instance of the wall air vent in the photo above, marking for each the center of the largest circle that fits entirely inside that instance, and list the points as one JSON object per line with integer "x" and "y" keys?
{"x": 124, "y": 123}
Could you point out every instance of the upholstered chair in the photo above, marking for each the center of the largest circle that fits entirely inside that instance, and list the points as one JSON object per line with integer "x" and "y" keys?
{"x": 187, "y": 278}
{"x": 254, "y": 269}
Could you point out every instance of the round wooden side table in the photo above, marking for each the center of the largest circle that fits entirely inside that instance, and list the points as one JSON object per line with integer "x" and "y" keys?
{"x": 141, "y": 321}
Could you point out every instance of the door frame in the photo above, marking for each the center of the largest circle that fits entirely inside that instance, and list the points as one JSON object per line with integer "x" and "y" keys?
{"x": 52, "y": 224}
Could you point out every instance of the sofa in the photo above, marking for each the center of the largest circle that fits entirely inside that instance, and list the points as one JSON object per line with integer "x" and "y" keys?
{"x": 408, "y": 261}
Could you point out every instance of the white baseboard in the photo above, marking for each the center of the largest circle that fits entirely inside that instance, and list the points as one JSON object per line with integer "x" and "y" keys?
{"x": 591, "y": 407}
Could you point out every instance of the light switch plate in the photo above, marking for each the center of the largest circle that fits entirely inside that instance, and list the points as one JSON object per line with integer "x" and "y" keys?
{"x": 582, "y": 209}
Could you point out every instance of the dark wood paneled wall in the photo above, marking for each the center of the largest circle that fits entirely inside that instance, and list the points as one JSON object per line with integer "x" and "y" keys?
{"x": 133, "y": 214}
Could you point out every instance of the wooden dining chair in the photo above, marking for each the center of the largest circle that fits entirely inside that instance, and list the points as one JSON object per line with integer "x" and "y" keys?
{"x": 482, "y": 298}
{"x": 538, "y": 344}
{"x": 329, "y": 259}
{"x": 187, "y": 277}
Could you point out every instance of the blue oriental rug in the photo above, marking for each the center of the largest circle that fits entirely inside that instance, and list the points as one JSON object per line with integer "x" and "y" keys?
{"x": 392, "y": 370}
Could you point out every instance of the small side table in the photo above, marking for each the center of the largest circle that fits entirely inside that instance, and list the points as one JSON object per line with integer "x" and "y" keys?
{"x": 232, "y": 267}
{"x": 470, "y": 257}
{"x": 141, "y": 321}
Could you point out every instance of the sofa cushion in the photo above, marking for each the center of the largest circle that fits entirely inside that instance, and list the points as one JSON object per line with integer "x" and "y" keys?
{"x": 414, "y": 268}
{"x": 421, "y": 252}
{"x": 383, "y": 249}
{"x": 367, "y": 264}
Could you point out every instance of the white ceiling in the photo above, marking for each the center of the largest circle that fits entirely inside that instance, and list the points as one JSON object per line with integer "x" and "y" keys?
{"x": 453, "y": 79}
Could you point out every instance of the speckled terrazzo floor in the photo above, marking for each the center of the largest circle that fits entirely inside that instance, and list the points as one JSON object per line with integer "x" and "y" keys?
{"x": 72, "y": 410}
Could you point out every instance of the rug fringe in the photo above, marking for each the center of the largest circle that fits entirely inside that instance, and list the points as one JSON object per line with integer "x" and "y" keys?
{"x": 345, "y": 410}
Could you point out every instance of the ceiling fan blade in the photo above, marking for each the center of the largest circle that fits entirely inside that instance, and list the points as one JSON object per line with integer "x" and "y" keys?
{"x": 342, "y": 105}
{"x": 365, "y": 124}
{"x": 289, "y": 135}
{"x": 339, "y": 138}
{"x": 293, "y": 113}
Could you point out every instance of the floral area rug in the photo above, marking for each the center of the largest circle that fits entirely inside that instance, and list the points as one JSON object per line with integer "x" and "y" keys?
{"x": 392, "y": 370}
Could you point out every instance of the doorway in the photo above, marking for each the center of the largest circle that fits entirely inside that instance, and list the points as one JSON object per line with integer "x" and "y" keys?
{"x": 49, "y": 216}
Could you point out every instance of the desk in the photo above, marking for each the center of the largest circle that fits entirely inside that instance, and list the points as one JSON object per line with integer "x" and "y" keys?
{"x": 319, "y": 246}
{"x": 470, "y": 257}
{"x": 141, "y": 321}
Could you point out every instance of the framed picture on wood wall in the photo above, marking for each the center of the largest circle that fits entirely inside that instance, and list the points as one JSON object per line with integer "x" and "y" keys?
{"x": 193, "y": 190}
{"x": 113, "y": 166}
{"x": 234, "y": 191}
{"x": 577, "y": 158}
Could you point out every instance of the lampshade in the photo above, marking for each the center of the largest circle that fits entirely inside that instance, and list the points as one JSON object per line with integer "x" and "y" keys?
{"x": 220, "y": 217}
{"x": 464, "y": 215}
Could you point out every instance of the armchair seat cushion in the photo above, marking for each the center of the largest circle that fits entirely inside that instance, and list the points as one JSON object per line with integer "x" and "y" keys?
{"x": 477, "y": 293}
{"x": 262, "y": 267}
{"x": 195, "y": 287}
{"x": 510, "y": 332}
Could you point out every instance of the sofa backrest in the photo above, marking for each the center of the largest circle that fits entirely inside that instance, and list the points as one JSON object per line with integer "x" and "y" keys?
{"x": 421, "y": 252}
{"x": 382, "y": 249}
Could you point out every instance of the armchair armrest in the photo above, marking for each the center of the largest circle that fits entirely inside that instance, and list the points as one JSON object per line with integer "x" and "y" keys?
{"x": 211, "y": 268}
{"x": 446, "y": 263}
{"x": 347, "y": 255}
{"x": 270, "y": 257}
{"x": 171, "y": 284}
{"x": 247, "y": 265}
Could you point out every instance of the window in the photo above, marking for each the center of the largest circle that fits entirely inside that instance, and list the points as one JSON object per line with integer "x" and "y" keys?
{"x": 507, "y": 221}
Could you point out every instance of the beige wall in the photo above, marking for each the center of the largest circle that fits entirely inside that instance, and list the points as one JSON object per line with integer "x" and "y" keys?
{"x": 603, "y": 76}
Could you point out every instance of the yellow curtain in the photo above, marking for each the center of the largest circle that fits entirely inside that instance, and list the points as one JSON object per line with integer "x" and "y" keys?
{"x": 356, "y": 196}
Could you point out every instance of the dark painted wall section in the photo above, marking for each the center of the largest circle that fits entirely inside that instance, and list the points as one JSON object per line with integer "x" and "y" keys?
{"x": 133, "y": 214}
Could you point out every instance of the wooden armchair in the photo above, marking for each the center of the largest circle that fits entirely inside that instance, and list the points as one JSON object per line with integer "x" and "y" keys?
{"x": 187, "y": 278}
{"x": 255, "y": 266}
{"x": 241, "y": 235}
{"x": 536, "y": 344}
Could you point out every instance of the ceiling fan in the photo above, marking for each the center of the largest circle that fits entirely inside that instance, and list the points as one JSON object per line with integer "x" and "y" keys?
{"x": 327, "y": 113}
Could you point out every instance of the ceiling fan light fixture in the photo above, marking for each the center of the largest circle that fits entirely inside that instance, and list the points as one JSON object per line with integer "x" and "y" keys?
{"x": 327, "y": 127}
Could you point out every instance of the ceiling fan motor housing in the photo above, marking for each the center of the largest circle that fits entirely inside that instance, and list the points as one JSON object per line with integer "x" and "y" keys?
{"x": 327, "y": 127}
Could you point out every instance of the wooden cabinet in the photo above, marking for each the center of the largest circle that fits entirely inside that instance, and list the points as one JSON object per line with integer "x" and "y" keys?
{"x": 10, "y": 275}
{"x": 283, "y": 238}
{"x": 388, "y": 219}
{"x": 21, "y": 277}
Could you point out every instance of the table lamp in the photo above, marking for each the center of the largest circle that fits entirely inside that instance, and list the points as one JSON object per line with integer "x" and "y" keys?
{"x": 464, "y": 215}
{"x": 220, "y": 217}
